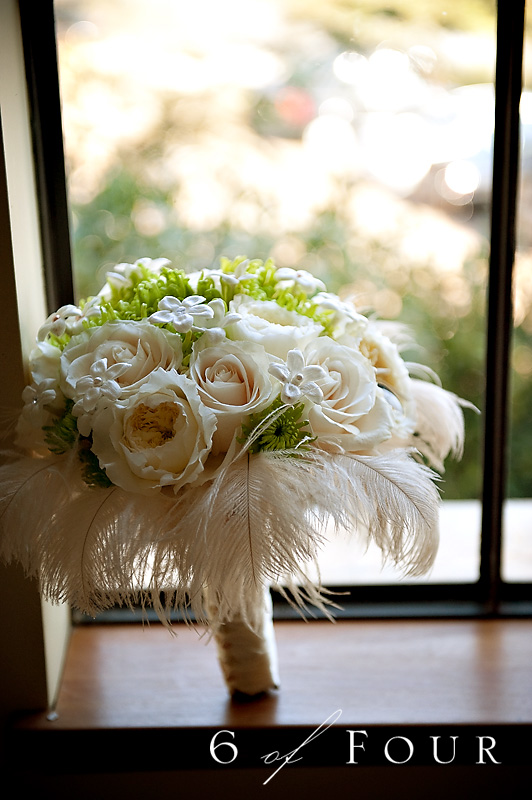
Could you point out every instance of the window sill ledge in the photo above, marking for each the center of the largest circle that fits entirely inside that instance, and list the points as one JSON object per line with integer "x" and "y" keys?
{"x": 380, "y": 672}
{"x": 130, "y": 690}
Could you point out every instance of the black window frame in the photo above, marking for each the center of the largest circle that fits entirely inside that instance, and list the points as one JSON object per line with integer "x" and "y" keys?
{"x": 490, "y": 596}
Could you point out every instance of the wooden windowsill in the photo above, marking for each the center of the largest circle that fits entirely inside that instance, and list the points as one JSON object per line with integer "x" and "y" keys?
{"x": 142, "y": 688}
{"x": 377, "y": 672}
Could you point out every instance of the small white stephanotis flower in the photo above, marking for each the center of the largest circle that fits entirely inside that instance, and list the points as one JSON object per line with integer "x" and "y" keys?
{"x": 304, "y": 280}
{"x": 37, "y": 400}
{"x": 92, "y": 388}
{"x": 239, "y": 275}
{"x": 298, "y": 380}
{"x": 69, "y": 319}
{"x": 214, "y": 327}
{"x": 181, "y": 314}
{"x": 120, "y": 277}
{"x": 41, "y": 394}
{"x": 220, "y": 318}
{"x": 221, "y": 278}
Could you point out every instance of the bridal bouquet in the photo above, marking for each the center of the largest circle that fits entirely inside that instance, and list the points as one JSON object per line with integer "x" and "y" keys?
{"x": 187, "y": 440}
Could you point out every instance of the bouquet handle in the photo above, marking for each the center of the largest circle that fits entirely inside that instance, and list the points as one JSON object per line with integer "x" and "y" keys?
{"x": 246, "y": 646}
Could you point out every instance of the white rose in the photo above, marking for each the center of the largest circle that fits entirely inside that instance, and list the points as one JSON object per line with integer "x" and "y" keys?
{"x": 276, "y": 328}
{"x": 160, "y": 437}
{"x": 345, "y": 320}
{"x": 391, "y": 370}
{"x": 233, "y": 381}
{"x": 139, "y": 345}
{"x": 353, "y": 414}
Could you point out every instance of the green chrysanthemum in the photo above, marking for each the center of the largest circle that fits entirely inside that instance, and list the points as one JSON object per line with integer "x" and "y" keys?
{"x": 286, "y": 432}
{"x": 141, "y": 299}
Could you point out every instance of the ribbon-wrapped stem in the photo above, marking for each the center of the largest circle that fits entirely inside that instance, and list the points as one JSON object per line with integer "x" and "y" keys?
{"x": 246, "y": 646}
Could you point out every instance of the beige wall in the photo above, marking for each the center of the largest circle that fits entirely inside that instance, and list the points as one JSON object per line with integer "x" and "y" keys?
{"x": 33, "y": 635}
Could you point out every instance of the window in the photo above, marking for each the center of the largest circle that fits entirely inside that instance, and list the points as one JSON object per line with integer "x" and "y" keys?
{"x": 289, "y": 111}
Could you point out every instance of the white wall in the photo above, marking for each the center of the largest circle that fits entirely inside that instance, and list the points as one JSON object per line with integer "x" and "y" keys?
{"x": 33, "y": 635}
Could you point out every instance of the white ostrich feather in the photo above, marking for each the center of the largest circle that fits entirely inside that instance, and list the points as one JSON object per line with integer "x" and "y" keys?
{"x": 33, "y": 487}
{"x": 439, "y": 423}
{"x": 262, "y": 522}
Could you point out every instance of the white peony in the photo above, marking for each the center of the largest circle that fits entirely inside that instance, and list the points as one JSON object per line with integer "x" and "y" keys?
{"x": 138, "y": 345}
{"x": 276, "y": 328}
{"x": 233, "y": 381}
{"x": 160, "y": 437}
{"x": 353, "y": 415}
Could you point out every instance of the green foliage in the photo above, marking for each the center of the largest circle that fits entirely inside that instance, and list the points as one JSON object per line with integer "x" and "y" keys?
{"x": 142, "y": 299}
{"x": 62, "y": 434}
{"x": 285, "y": 432}
{"x": 91, "y": 472}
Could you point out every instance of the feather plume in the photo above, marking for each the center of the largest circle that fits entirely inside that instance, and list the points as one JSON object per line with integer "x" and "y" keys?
{"x": 397, "y": 502}
{"x": 439, "y": 423}
{"x": 262, "y": 522}
{"x": 33, "y": 488}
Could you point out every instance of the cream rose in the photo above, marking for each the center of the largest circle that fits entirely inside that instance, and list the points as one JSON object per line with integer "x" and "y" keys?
{"x": 353, "y": 414}
{"x": 139, "y": 345}
{"x": 346, "y": 323}
{"x": 44, "y": 362}
{"x": 233, "y": 381}
{"x": 392, "y": 375}
{"x": 276, "y": 328}
{"x": 389, "y": 366}
{"x": 160, "y": 437}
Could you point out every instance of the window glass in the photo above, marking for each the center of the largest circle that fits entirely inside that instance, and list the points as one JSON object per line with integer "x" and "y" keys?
{"x": 349, "y": 138}
{"x": 517, "y": 539}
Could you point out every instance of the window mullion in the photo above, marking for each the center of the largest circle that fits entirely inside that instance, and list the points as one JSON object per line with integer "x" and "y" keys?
{"x": 508, "y": 83}
{"x": 38, "y": 33}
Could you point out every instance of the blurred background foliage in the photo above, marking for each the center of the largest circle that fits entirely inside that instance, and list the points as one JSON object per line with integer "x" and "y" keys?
{"x": 287, "y": 148}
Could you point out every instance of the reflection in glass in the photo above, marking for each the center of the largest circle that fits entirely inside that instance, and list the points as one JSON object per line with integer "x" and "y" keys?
{"x": 351, "y": 141}
{"x": 517, "y": 538}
